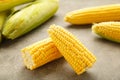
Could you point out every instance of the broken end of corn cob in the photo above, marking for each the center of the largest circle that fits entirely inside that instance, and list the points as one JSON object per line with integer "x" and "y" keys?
{"x": 73, "y": 51}
{"x": 28, "y": 60}
{"x": 39, "y": 54}
{"x": 108, "y": 30}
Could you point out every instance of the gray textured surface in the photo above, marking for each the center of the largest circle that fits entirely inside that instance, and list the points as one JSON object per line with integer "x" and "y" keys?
{"x": 107, "y": 66}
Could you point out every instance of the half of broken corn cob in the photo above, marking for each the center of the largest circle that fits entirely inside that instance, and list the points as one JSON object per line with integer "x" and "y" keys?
{"x": 40, "y": 53}
{"x": 108, "y": 30}
{"x": 8, "y": 4}
{"x": 76, "y": 54}
{"x": 94, "y": 14}
{"x": 29, "y": 18}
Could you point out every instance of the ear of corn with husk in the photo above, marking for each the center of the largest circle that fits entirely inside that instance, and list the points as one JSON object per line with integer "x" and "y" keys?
{"x": 40, "y": 53}
{"x": 8, "y": 4}
{"x": 3, "y": 16}
{"x": 108, "y": 30}
{"x": 94, "y": 14}
{"x": 29, "y": 18}
{"x": 76, "y": 54}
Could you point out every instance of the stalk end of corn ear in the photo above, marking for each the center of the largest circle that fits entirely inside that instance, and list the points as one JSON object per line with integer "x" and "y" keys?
{"x": 94, "y": 14}
{"x": 108, "y": 30}
{"x": 75, "y": 53}
{"x": 29, "y": 18}
{"x": 40, "y": 53}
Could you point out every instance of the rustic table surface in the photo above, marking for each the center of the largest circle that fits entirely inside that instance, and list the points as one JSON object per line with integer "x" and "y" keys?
{"x": 107, "y": 66}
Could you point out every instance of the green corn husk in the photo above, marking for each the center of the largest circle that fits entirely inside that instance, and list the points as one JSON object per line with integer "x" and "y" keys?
{"x": 8, "y": 4}
{"x": 19, "y": 7}
{"x": 3, "y": 16}
{"x": 29, "y": 18}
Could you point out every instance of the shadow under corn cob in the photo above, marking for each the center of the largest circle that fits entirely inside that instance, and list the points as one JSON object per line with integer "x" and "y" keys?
{"x": 8, "y": 4}
{"x": 29, "y": 18}
{"x": 108, "y": 30}
{"x": 3, "y": 16}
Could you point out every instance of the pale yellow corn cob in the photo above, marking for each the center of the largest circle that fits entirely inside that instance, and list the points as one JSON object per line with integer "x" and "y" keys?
{"x": 29, "y": 18}
{"x": 94, "y": 14}
{"x": 40, "y": 53}
{"x": 73, "y": 51}
{"x": 108, "y": 30}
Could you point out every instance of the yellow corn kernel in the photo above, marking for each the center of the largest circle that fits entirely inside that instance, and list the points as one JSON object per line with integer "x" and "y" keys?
{"x": 108, "y": 30}
{"x": 40, "y": 53}
{"x": 78, "y": 56}
{"x": 94, "y": 14}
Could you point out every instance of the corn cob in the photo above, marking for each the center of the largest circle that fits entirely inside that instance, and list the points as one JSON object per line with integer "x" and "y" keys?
{"x": 73, "y": 51}
{"x": 108, "y": 30}
{"x": 29, "y": 18}
{"x": 94, "y": 14}
{"x": 8, "y": 4}
{"x": 3, "y": 16}
{"x": 40, "y": 53}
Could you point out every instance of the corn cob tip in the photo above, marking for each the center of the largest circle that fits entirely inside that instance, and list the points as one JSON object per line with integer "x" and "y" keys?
{"x": 68, "y": 17}
{"x": 94, "y": 28}
{"x": 97, "y": 26}
{"x": 52, "y": 27}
